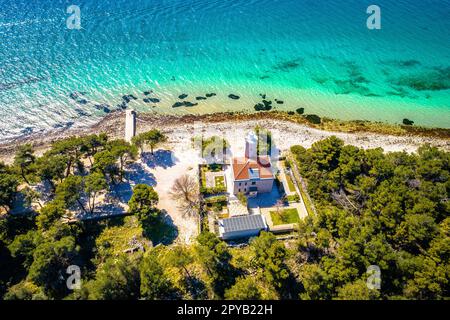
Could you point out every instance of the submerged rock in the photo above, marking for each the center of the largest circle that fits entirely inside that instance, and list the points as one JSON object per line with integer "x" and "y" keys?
{"x": 233, "y": 96}
{"x": 178, "y": 104}
{"x": 267, "y": 103}
{"x": 190, "y": 104}
{"x": 127, "y": 98}
{"x": 200, "y": 98}
{"x": 123, "y": 105}
{"x": 151, "y": 100}
{"x": 264, "y": 106}
{"x": 103, "y": 107}
{"x": 209, "y": 95}
{"x": 259, "y": 107}
{"x": 183, "y": 96}
{"x": 81, "y": 112}
{"x": 27, "y": 130}
{"x": 279, "y": 101}
{"x": 183, "y": 104}
{"x": 82, "y": 101}
{"x": 300, "y": 110}
{"x": 408, "y": 122}
{"x": 148, "y": 92}
{"x": 76, "y": 94}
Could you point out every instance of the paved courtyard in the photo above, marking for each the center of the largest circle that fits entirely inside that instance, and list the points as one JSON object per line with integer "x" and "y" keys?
{"x": 210, "y": 178}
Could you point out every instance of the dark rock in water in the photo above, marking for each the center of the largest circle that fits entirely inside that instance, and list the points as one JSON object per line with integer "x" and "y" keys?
{"x": 178, "y": 104}
{"x": 183, "y": 96}
{"x": 209, "y": 95}
{"x": 127, "y": 98}
{"x": 102, "y": 107}
{"x": 69, "y": 124}
{"x": 105, "y": 107}
{"x": 408, "y": 122}
{"x": 184, "y": 104}
{"x": 76, "y": 94}
{"x": 300, "y": 110}
{"x": 279, "y": 101}
{"x": 262, "y": 95}
{"x": 264, "y": 77}
{"x": 200, "y": 98}
{"x": 267, "y": 103}
{"x": 82, "y": 101}
{"x": 190, "y": 104}
{"x": 291, "y": 113}
{"x": 148, "y": 92}
{"x": 151, "y": 100}
{"x": 173, "y": 78}
{"x": 264, "y": 106}
{"x": 81, "y": 112}
{"x": 233, "y": 96}
{"x": 259, "y": 107}
{"x": 123, "y": 105}
{"x": 26, "y": 130}
{"x": 286, "y": 66}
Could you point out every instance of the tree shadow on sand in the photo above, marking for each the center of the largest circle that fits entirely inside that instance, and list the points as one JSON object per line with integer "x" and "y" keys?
{"x": 135, "y": 174}
{"x": 160, "y": 158}
{"x": 160, "y": 230}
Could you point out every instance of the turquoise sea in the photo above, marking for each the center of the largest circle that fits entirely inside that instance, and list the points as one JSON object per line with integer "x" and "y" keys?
{"x": 316, "y": 54}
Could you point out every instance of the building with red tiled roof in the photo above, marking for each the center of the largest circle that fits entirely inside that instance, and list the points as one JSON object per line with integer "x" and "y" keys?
{"x": 252, "y": 174}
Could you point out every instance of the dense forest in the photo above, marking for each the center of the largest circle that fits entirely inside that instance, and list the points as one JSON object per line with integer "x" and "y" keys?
{"x": 373, "y": 208}
{"x": 389, "y": 210}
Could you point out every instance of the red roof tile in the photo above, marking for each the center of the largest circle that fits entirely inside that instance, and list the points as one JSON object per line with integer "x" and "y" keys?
{"x": 241, "y": 167}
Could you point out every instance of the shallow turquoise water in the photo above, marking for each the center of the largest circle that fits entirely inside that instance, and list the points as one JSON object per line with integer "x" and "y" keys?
{"x": 313, "y": 54}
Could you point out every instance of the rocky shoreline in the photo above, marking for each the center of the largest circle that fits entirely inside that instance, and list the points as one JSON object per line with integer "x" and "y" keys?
{"x": 362, "y": 133}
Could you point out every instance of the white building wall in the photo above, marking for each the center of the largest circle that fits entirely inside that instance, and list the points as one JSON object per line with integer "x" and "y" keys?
{"x": 263, "y": 185}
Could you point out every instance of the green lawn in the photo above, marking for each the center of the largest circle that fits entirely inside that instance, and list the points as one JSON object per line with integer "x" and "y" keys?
{"x": 219, "y": 182}
{"x": 285, "y": 216}
{"x": 290, "y": 183}
{"x": 293, "y": 198}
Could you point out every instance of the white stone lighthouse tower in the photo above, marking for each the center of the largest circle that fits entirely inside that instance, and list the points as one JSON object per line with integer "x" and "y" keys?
{"x": 251, "y": 145}
{"x": 130, "y": 124}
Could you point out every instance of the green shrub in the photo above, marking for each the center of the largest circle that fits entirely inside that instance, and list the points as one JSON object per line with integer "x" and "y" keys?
{"x": 313, "y": 118}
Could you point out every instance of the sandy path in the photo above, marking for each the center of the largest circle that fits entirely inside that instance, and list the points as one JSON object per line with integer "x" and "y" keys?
{"x": 183, "y": 161}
